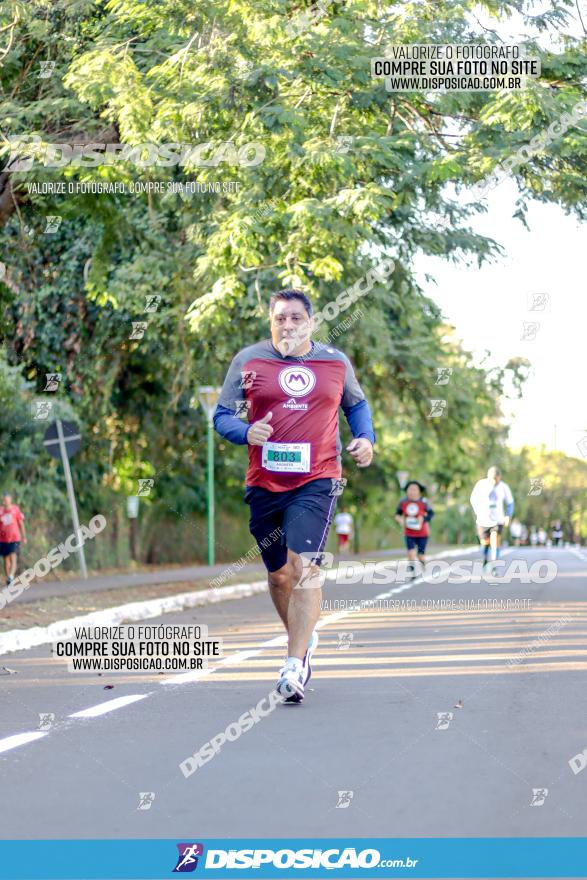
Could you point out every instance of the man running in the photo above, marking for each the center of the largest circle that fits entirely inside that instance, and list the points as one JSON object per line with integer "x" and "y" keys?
{"x": 557, "y": 533}
{"x": 291, "y": 388}
{"x": 493, "y": 503}
{"x": 11, "y": 526}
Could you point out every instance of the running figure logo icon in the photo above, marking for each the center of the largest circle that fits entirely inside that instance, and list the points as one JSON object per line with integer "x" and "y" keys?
{"x": 188, "y": 857}
{"x": 297, "y": 381}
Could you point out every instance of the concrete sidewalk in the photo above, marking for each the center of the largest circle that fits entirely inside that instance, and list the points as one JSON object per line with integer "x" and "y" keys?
{"x": 46, "y": 589}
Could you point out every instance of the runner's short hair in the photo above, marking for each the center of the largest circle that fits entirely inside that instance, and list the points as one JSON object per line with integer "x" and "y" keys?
{"x": 289, "y": 293}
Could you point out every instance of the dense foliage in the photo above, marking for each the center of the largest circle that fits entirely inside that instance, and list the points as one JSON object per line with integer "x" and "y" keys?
{"x": 350, "y": 173}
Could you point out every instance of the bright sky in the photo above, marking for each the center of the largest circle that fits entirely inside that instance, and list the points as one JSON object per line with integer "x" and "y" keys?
{"x": 488, "y": 308}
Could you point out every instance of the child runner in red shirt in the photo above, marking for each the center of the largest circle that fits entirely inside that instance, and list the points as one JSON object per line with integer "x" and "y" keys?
{"x": 413, "y": 514}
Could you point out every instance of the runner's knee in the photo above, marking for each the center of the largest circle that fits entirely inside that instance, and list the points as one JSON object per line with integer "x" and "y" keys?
{"x": 296, "y": 565}
{"x": 280, "y": 579}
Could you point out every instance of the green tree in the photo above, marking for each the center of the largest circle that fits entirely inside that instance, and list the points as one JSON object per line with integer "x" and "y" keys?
{"x": 350, "y": 173}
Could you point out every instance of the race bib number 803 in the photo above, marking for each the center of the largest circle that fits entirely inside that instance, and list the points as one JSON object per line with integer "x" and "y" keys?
{"x": 286, "y": 457}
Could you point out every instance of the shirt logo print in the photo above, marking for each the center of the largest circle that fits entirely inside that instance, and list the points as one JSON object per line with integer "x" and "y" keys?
{"x": 297, "y": 381}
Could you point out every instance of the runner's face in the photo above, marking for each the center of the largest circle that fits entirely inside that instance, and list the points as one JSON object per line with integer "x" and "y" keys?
{"x": 291, "y": 327}
{"x": 7, "y": 500}
{"x": 413, "y": 493}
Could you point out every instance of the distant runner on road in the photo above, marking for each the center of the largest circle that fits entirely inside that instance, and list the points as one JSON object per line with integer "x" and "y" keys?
{"x": 493, "y": 503}
{"x": 291, "y": 388}
{"x": 557, "y": 532}
{"x": 11, "y": 527}
{"x": 413, "y": 513}
{"x": 343, "y": 525}
{"x": 516, "y": 531}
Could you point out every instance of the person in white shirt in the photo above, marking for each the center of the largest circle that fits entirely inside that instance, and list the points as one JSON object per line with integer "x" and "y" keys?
{"x": 516, "y": 531}
{"x": 493, "y": 504}
{"x": 343, "y": 525}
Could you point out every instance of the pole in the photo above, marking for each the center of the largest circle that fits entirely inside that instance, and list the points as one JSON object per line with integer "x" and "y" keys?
{"x": 71, "y": 496}
{"x": 210, "y": 491}
{"x": 132, "y": 538}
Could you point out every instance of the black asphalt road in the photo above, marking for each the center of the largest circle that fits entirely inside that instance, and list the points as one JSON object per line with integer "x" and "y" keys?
{"x": 369, "y": 725}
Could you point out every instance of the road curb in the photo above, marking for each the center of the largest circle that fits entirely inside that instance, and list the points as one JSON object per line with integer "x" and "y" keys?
{"x": 23, "y": 639}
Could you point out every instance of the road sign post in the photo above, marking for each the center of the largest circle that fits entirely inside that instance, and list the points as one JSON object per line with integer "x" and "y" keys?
{"x": 62, "y": 440}
{"x": 208, "y": 396}
{"x": 132, "y": 511}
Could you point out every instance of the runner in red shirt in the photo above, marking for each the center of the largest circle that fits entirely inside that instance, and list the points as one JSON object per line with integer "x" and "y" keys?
{"x": 11, "y": 526}
{"x": 289, "y": 390}
{"x": 413, "y": 514}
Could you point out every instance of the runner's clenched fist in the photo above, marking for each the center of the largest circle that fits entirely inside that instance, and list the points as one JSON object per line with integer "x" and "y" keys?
{"x": 361, "y": 450}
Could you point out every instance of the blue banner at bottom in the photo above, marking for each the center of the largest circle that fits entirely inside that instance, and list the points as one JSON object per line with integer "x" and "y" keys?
{"x": 263, "y": 858}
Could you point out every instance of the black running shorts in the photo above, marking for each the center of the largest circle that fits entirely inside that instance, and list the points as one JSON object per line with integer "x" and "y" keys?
{"x": 484, "y": 532}
{"x": 297, "y": 519}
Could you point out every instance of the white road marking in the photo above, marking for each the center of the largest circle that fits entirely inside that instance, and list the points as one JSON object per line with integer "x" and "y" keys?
{"x": 234, "y": 659}
{"x": 241, "y": 656}
{"x": 109, "y": 706}
{"x": 18, "y": 739}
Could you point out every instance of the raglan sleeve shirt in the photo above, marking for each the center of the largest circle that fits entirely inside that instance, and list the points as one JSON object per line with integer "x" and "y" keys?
{"x": 234, "y": 429}
{"x": 354, "y": 405}
{"x": 226, "y": 422}
{"x": 509, "y": 500}
{"x": 476, "y": 495}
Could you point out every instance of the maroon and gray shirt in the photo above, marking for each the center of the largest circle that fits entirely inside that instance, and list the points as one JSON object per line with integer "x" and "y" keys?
{"x": 303, "y": 394}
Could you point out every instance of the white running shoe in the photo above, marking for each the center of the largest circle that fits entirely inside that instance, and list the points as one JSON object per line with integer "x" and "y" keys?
{"x": 312, "y": 645}
{"x": 291, "y": 683}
